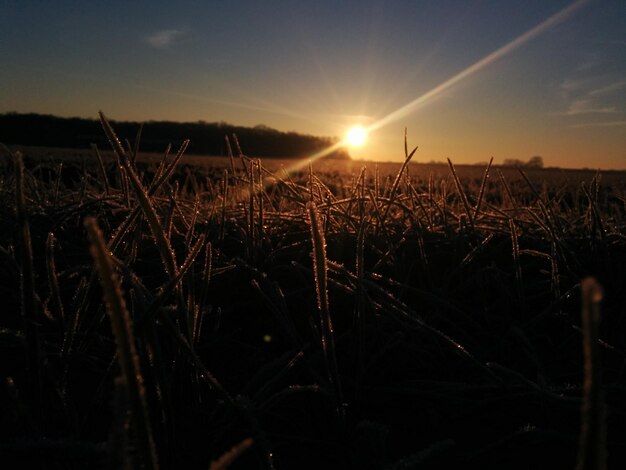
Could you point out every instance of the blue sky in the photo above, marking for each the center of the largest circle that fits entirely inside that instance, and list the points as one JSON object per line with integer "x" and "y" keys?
{"x": 320, "y": 67}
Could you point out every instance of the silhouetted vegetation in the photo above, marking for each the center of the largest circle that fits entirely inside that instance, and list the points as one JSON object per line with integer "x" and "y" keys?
{"x": 205, "y": 138}
{"x": 534, "y": 162}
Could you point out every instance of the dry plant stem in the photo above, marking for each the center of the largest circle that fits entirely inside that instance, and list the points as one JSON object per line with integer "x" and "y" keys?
{"x": 169, "y": 218}
{"x": 135, "y": 150}
{"x": 159, "y": 180}
{"x": 153, "y": 220}
{"x": 176, "y": 196}
{"x": 320, "y": 268}
{"x": 311, "y": 198}
{"x": 224, "y": 195}
{"x": 396, "y": 182}
{"x": 546, "y": 209}
{"x": 125, "y": 343}
{"x": 516, "y": 261}
{"x": 72, "y": 322}
{"x": 482, "y": 190}
{"x": 161, "y": 165}
{"x": 260, "y": 191}
{"x": 554, "y": 272}
{"x": 164, "y": 174}
{"x": 592, "y": 444}
{"x": 27, "y": 284}
{"x": 406, "y": 142}
{"x": 192, "y": 223}
{"x": 421, "y": 206}
{"x": 57, "y": 184}
{"x": 251, "y": 221}
{"x": 409, "y": 193}
{"x": 83, "y": 182}
{"x": 389, "y": 303}
{"x": 327, "y": 218}
{"x": 124, "y": 185}
{"x": 230, "y": 155}
{"x": 206, "y": 279}
{"x": 379, "y": 219}
{"x": 195, "y": 359}
{"x": 160, "y": 237}
{"x": 242, "y": 158}
{"x": 462, "y": 195}
{"x": 171, "y": 285}
{"x": 53, "y": 281}
{"x": 376, "y": 181}
{"x": 103, "y": 173}
{"x": 361, "y": 293}
{"x": 229, "y": 457}
{"x": 598, "y": 224}
{"x": 356, "y": 185}
{"x": 507, "y": 189}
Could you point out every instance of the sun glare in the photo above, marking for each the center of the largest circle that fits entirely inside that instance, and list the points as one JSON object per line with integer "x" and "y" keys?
{"x": 356, "y": 136}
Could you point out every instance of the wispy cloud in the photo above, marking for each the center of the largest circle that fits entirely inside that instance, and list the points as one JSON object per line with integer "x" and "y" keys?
{"x": 600, "y": 124}
{"x": 166, "y": 38}
{"x": 587, "y": 106}
{"x": 592, "y": 94}
{"x": 607, "y": 89}
{"x": 570, "y": 85}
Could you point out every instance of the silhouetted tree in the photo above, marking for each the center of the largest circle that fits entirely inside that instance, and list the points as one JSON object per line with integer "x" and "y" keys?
{"x": 206, "y": 138}
{"x": 535, "y": 162}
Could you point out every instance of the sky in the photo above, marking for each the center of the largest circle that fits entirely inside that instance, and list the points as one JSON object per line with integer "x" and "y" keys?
{"x": 469, "y": 80}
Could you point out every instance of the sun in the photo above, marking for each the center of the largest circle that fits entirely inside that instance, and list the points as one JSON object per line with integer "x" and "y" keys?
{"x": 356, "y": 136}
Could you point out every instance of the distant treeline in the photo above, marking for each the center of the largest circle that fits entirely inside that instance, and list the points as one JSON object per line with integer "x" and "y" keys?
{"x": 534, "y": 162}
{"x": 205, "y": 138}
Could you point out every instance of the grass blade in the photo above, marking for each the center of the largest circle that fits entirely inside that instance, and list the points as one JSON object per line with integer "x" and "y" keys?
{"x": 516, "y": 261}
{"x": 27, "y": 284}
{"x": 462, "y": 195}
{"x": 229, "y": 457}
{"x": 396, "y": 182}
{"x": 320, "y": 268}
{"x": 592, "y": 444}
{"x": 53, "y": 281}
{"x": 223, "y": 213}
{"x": 125, "y": 343}
{"x": 167, "y": 255}
{"x": 173, "y": 283}
{"x": 482, "y": 189}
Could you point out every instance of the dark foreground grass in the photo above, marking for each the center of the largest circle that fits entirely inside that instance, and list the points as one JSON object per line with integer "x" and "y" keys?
{"x": 258, "y": 319}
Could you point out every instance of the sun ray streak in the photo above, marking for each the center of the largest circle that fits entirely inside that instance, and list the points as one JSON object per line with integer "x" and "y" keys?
{"x": 489, "y": 59}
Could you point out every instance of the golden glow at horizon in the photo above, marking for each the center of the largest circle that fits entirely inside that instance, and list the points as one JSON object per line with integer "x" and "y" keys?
{"x": 356, "y": 136}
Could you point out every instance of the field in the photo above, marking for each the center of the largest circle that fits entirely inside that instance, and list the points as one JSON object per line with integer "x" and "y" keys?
{"x": 179, "y": 312}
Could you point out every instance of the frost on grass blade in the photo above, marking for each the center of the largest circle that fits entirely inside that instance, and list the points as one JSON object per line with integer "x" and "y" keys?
{"x": 320, "y": 268}
{"x": 125, "y": 342}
